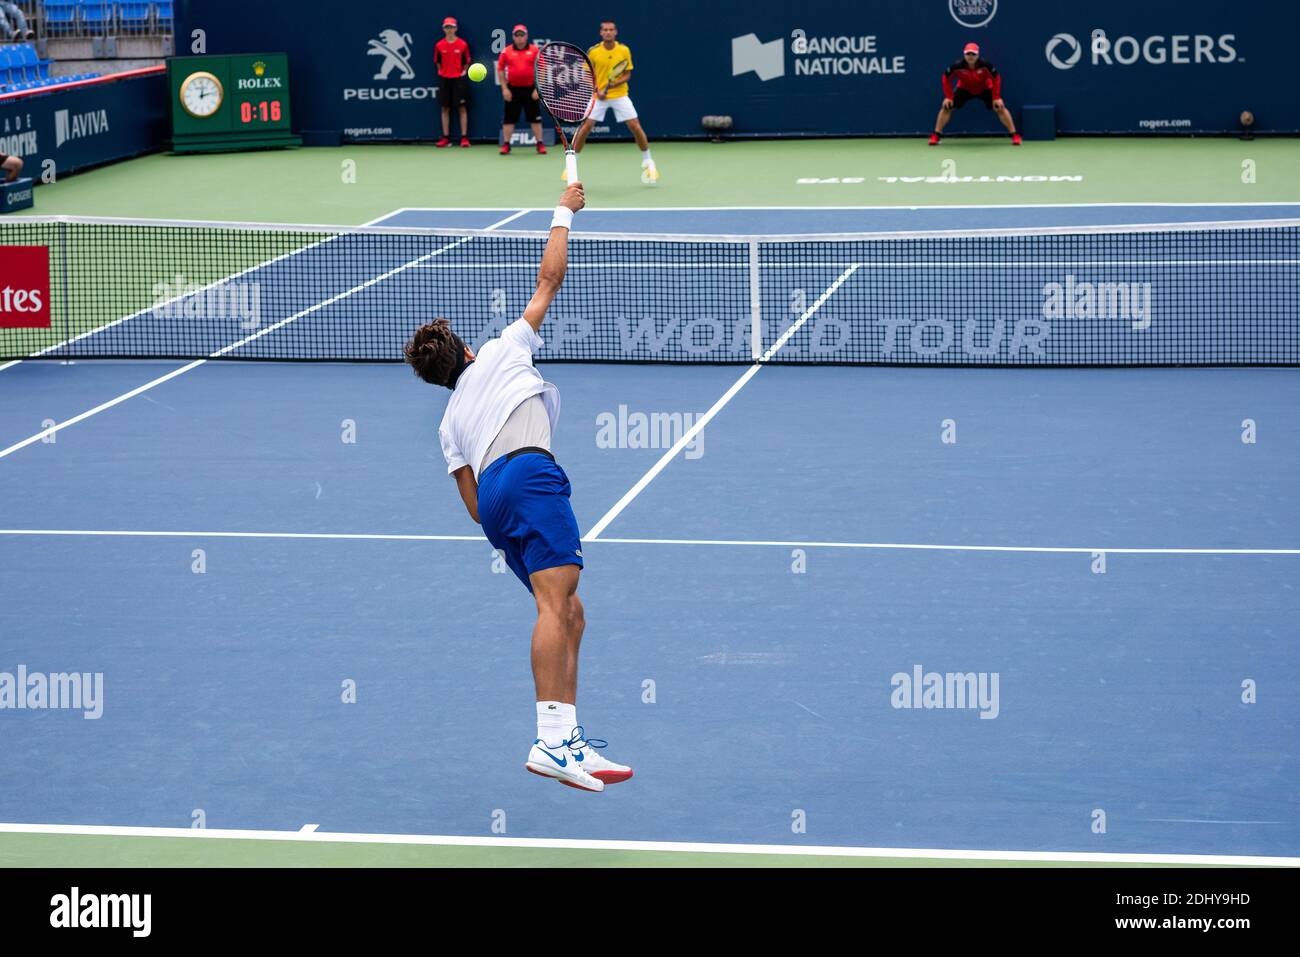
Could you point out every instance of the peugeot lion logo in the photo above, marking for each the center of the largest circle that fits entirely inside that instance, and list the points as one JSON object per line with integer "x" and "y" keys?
{"x": 749, "y": 54}
{"x": 1070, "y": 46}
{"x": 395, "y": 48}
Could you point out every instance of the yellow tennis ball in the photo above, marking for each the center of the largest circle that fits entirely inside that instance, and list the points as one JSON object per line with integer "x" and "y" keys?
{"x": 477, "y": 72}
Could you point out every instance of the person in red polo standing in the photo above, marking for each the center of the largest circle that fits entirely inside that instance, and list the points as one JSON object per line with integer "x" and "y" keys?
{"x": 972, "y": 78}
{"x": 518, "y": 81}
{"x": 451, "y": 54}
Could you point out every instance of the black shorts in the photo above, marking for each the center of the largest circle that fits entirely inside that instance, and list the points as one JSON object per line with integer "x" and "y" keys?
{"x": 521, "y": 98}
{"x": 453, "y": 91}
{"x": 962, "y": 96}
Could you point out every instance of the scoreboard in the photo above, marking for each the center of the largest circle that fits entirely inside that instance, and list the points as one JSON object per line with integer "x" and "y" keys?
{"x": 221, "y": 103}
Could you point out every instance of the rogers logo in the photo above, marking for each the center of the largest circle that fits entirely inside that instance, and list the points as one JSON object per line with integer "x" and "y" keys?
{"x": 24, "y": 287}
{"x": 1064, "y": 51}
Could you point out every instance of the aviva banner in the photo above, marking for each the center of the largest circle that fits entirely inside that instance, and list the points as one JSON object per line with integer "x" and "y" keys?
{"x": 59, "y": 131}
{"x": 815, "y": 68}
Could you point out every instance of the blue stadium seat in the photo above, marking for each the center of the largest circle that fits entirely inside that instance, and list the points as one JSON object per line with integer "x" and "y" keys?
{"x": 96, "y": 16}
{"x": 8, "y": 76}
{"x": 34, "y": 67}
{"x": 134, "y": 17}
{"x": 60, "y": 16}
{"x": 164, "y": 16}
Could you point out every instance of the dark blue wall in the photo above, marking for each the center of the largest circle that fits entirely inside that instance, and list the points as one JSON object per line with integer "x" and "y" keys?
{"x": 686, "y": 55}
{"x": 86, "y": 125}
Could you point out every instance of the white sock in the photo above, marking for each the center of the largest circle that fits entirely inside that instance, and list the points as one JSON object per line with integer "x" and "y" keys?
{"x": 645, "y": 155}
{"x": 555, "y": 721}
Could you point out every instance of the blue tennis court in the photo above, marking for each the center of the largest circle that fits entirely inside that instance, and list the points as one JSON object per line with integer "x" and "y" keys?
{"x": 985, "y": 609}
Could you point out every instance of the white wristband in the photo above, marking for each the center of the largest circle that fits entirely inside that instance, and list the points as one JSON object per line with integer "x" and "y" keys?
{"x": 563, "y": 217}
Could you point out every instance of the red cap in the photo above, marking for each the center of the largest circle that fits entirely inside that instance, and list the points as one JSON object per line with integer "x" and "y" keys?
{"x": 972, "y": 48}
{"x": 450, "y": 22}
{"x": 517, "y": 27}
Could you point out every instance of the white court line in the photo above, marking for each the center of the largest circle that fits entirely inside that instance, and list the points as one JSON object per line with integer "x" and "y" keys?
{"x": 231, "y": 347}
{"x": 907, "y": 546}
{"x": 791, "y": 850}
{"x": 704, "y": 420}
{"x": 902, "y": 264}
{"x": 899, "y": 206}
{"x": 510, "y": 219}
{"x": 340, "y": 536}
{"x": 728, "y": 542}
{"x": 189, "y": 292}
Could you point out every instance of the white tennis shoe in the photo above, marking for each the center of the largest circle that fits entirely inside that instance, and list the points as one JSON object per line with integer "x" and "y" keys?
{"x": 563, "y": 765}
{"x": 594, "y": 763}
{"x": 649, "y": 174}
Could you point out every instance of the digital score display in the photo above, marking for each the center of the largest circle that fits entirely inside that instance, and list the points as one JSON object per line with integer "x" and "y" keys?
{"x": 260, "y": 91}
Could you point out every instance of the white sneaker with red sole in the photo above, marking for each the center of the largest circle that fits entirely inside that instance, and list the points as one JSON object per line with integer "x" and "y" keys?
{"x": 597, "y": 765}
{"x": 563, "y": 765}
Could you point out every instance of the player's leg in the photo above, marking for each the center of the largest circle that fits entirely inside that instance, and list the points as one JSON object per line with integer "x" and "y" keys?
{"x": 580, "y": 139}
{"x": 597, "y": 115}
{"x": 446, "y": 127}
{"x": 557, "y": 635}
{"x": 638, "y": 134}
{"x": 560, "y": 749}
{"x": 561, "y": 621}
{"x": 625, "y": 113}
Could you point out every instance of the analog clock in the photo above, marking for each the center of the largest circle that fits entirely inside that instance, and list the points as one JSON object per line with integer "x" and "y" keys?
{"x": 201, "y": 94}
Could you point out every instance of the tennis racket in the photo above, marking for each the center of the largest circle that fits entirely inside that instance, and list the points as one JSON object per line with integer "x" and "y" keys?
{"x": 618, "y": 70}
{"x": 566, "y": 85}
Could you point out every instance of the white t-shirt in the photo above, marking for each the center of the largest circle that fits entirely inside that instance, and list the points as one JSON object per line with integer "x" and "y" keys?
{"x": 501, "y": 376}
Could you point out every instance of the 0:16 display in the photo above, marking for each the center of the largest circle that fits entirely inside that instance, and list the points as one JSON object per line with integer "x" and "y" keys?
{"x": 267, "y": 112}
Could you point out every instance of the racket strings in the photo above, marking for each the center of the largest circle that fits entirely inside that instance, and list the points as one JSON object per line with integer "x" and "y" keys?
{"x": 565, "y": 82}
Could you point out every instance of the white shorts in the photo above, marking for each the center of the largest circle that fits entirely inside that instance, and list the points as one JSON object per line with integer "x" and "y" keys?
{"x": 623, "y": 109}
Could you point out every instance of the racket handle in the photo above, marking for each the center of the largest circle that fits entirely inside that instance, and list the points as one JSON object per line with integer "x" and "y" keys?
{"x": 571, "y": 165}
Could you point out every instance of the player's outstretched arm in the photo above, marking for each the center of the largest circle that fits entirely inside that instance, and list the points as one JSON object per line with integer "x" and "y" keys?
{"x": 555, "y": 260}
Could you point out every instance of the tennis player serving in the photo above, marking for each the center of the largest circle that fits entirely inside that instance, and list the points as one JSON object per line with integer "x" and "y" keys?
{"x": 496, "y": 437}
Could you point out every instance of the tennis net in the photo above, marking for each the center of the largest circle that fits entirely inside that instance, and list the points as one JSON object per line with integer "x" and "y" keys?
{"x": 1198, "y": 294}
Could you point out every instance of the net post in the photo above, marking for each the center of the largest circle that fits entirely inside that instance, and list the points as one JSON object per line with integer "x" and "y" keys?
{"x": 755, "y": 304}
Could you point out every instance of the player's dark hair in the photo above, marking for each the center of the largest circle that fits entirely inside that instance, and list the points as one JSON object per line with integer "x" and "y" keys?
{"x": 610, "y": 22}
{"x": 436, "y": 353}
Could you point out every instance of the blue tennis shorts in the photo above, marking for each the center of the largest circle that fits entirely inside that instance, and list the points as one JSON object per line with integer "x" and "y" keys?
{"x": 523, "y": 503}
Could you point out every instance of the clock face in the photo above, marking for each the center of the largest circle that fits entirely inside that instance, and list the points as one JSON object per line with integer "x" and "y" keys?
{"x": 201, "y": 94}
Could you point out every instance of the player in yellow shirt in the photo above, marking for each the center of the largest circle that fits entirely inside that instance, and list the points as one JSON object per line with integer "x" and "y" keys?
{"x": 613, "y": 63}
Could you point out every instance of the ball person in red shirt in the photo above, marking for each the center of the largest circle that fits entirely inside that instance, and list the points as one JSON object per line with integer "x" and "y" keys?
{"x": 518, "y": 81}
{"x": 451, "y": 55}
{"x": 972, "y": 78}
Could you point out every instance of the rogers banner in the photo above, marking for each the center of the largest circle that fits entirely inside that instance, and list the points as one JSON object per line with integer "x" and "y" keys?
{"x": 24, "y": 287}
{"x": 821, "y": 67}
